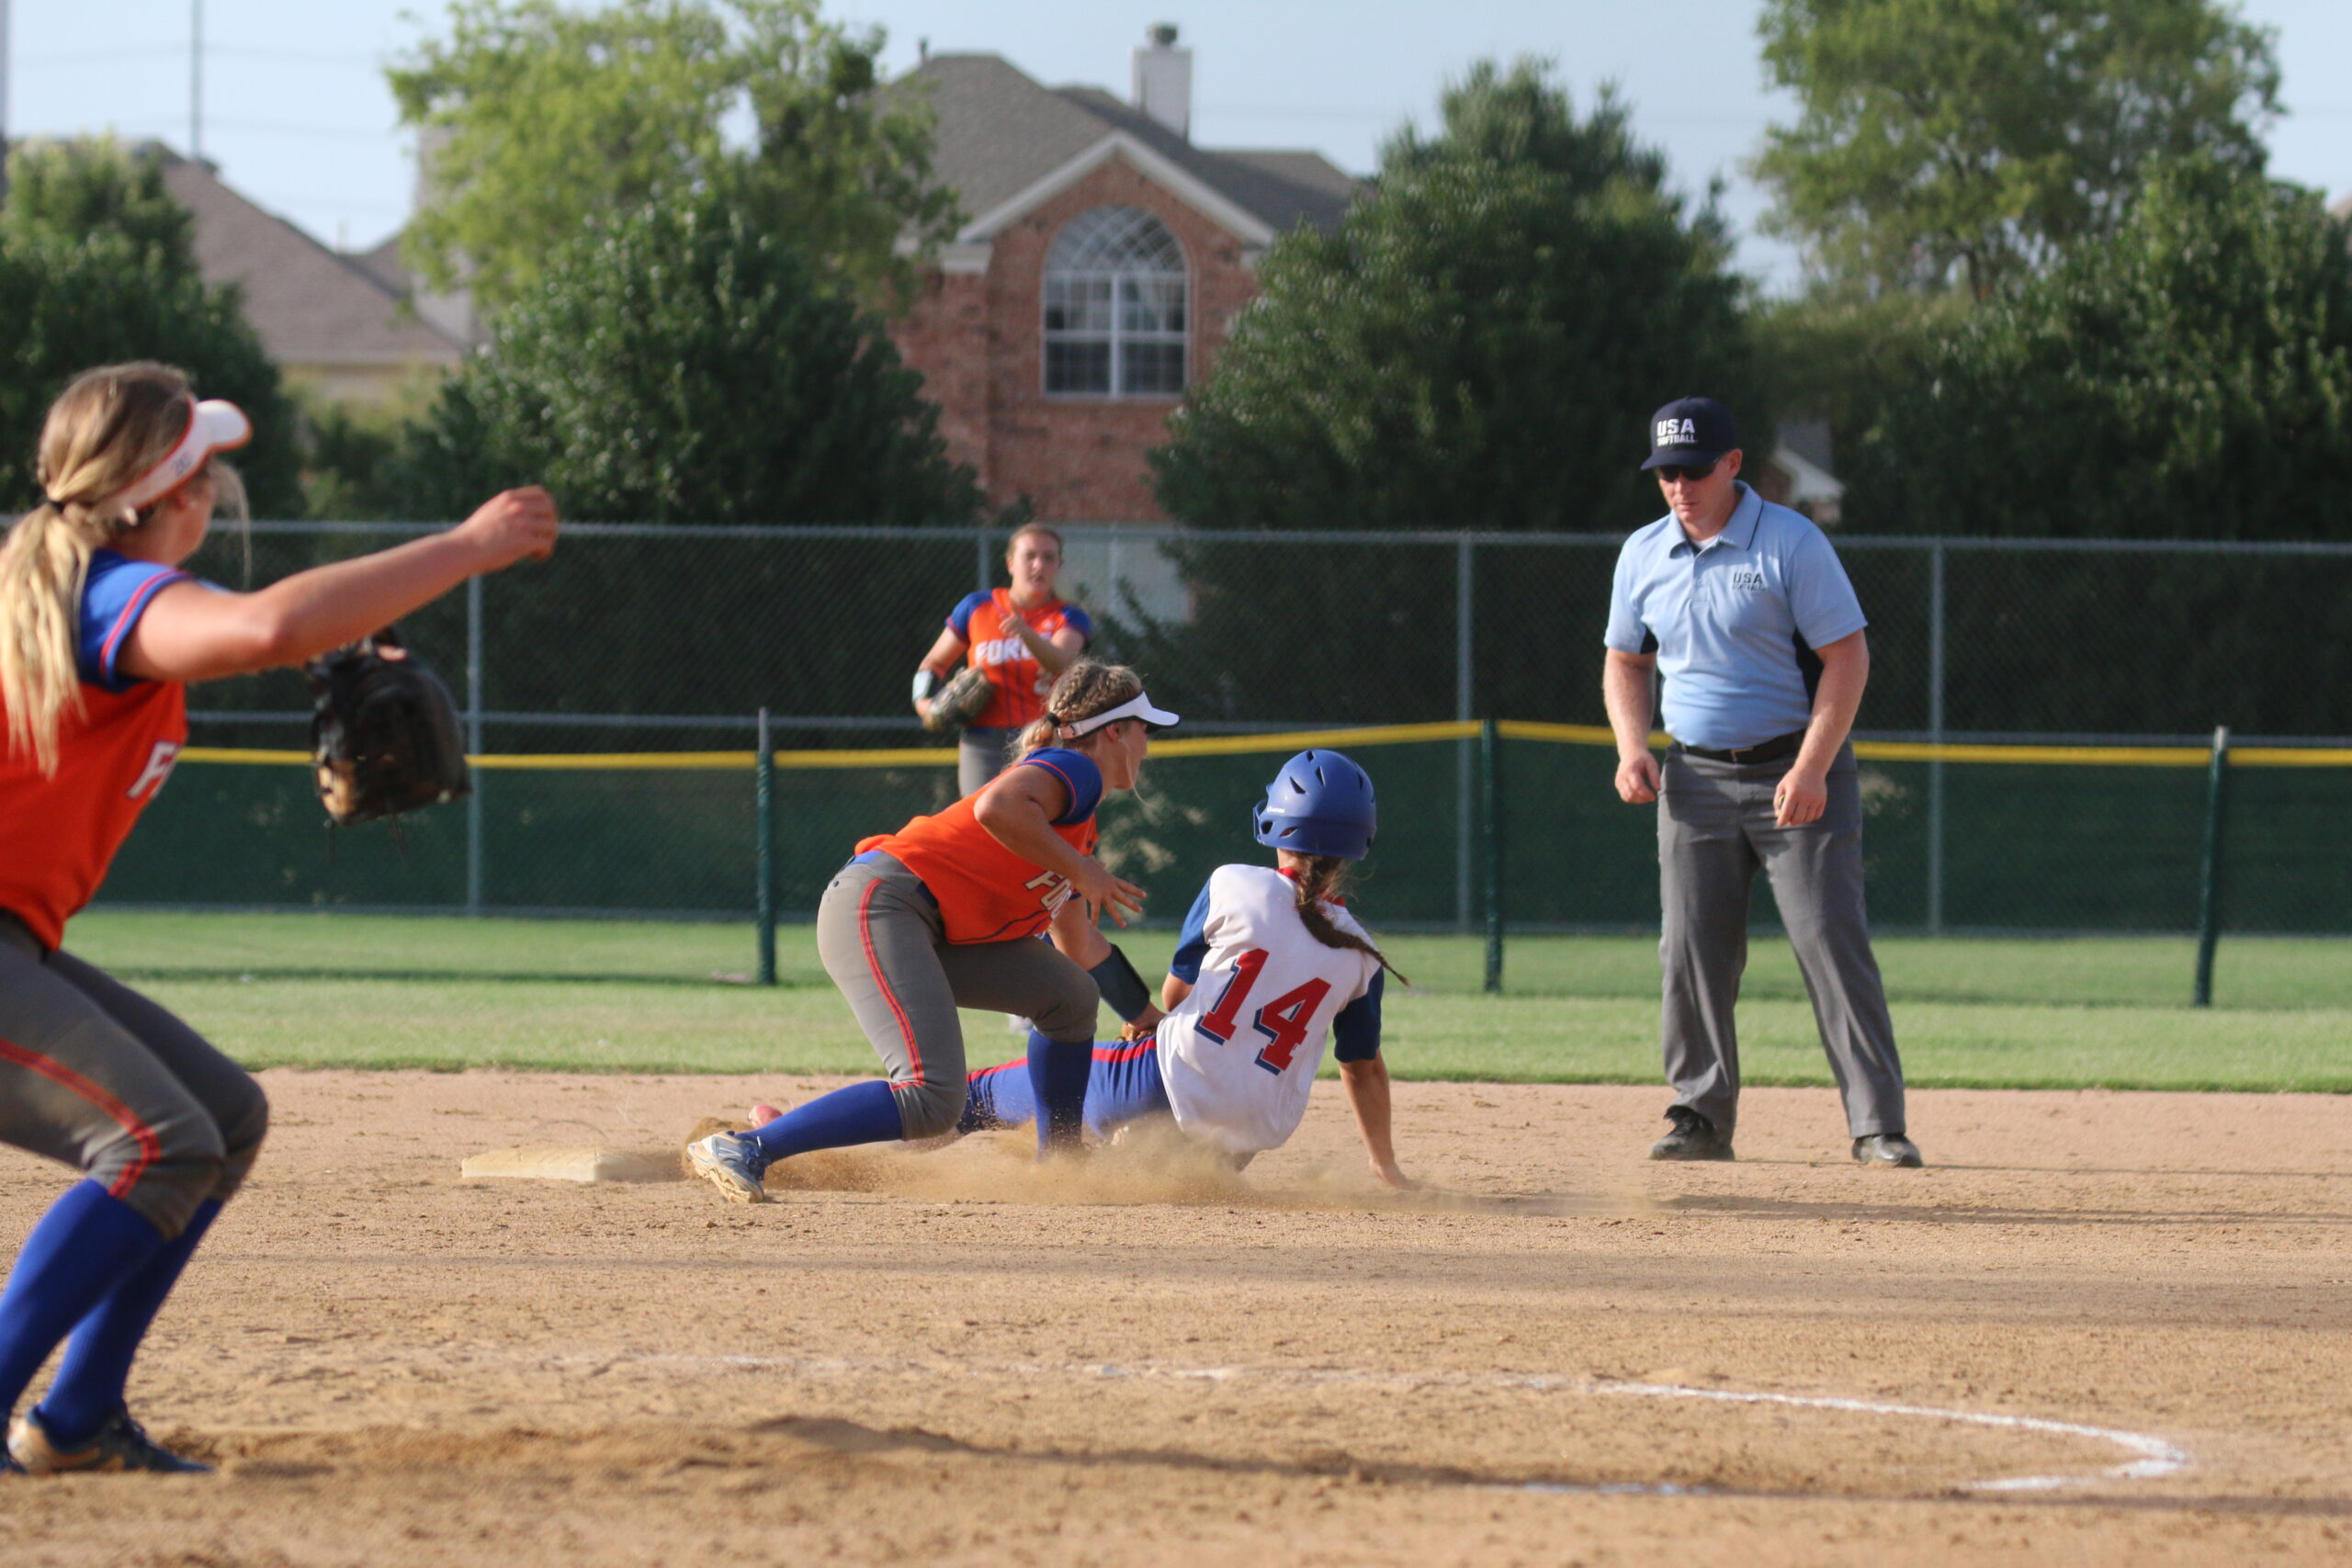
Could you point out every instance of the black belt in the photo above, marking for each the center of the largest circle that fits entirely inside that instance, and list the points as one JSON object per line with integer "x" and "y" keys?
{"x": 1770, "y": 750}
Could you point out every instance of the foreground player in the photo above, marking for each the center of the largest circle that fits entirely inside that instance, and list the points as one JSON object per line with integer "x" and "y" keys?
{"x": 943, "y": 914}
{"x": 99, "y": 632}
{"x": 1236, "y": 1055}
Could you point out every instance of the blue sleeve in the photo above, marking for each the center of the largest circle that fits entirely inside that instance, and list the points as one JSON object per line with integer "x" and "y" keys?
{"x": 1355, "y": 1033}
{"x": 960, "y": 617}
{"x": 1077, "y": 770}
{"x": 1192, "y": 942}
{"x": 116, "y": 593}
{"x": 1078, "y": 621}
{"x": 1821, "y": 597}
{"x": 1626, "y": 633}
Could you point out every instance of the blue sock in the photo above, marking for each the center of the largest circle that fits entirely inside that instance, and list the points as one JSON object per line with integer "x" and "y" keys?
{"x": 78, "y": 1252}
{"x": 97, "y": 1364}
{"x": 1058, "y": 1075}
{"x": 862, "y": 1113}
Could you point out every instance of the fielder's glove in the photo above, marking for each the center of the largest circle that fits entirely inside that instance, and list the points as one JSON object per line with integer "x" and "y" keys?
{"x": 384, "y": 736}
{"x": 960, "y": 701}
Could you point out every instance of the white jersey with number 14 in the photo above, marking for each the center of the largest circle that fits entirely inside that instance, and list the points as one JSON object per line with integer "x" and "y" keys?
{"x": 1238, "y": 1055}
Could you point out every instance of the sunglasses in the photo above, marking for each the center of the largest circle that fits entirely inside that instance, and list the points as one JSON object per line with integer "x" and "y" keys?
{"x": 1673, "y": 473}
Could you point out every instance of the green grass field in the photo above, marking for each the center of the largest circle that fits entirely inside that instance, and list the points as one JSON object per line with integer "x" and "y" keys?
{"x": 379, "y": 991}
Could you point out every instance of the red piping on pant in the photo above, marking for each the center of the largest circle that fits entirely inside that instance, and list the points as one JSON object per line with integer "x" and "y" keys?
{"x": 874, "y": 962}
{"x": 150, "y": 1147}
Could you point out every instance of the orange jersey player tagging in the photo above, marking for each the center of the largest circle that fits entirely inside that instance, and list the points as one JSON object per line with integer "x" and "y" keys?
{"x": 100, "y": 632}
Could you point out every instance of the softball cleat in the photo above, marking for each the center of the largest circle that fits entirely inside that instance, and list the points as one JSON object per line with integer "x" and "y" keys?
{"x": 121, "y": 1444}
{"x": 732, "y": 1163}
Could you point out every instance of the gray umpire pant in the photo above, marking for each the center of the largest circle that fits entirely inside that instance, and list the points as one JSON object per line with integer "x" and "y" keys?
{"x": 1714, "y": 828}
{"x": 881, "y": 937}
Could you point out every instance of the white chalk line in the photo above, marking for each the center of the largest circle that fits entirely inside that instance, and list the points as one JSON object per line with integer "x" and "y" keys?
{"x": 2154, "y": 1458}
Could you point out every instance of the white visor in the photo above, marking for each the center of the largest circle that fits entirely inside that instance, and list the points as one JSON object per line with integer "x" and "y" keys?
{"x": 1137, "y": 706}
{"x": 216, "y": 427}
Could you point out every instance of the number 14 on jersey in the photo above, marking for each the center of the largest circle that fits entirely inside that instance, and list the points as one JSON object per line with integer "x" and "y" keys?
{"x": 1284, "y": 1020}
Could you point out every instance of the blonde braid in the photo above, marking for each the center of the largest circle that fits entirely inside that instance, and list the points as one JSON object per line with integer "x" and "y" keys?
{"x": 1325, "y": 877}
{"x": 1085, "y": 689}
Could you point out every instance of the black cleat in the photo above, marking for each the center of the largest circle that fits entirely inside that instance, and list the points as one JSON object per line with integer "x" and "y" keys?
{"x": 1694, "y": 1137}
{"x": 122, "y": 1445}
{"x": 1888, "y": 1149}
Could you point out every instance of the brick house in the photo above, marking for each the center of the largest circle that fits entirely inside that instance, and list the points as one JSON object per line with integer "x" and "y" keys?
{"x": 1102, "y": 263}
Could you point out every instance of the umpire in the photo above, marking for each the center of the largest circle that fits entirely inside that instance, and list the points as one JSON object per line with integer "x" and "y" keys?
{"x": 1744, "y": 607}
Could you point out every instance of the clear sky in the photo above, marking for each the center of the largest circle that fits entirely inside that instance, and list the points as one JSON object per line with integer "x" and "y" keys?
{"x": 297, "y": 114}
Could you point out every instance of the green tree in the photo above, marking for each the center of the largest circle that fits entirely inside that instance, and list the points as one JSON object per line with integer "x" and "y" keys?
{"x": 541, "y": 117}
{"x": 685, "y": 364}
{"x": 1946, "y": 142}
{"x": 1478, "y": 343}
{"x": 97, "y": 267}
{"x": 2189, "y": 380}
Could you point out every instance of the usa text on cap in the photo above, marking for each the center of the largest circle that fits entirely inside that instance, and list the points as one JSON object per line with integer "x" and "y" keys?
{"x": 1690, "y": 431}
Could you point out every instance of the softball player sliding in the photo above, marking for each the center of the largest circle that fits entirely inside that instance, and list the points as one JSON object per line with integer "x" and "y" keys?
{"x": 1269, "y": 963}
{"x": 943, "y": 914}
{"x": 99, "y": 633}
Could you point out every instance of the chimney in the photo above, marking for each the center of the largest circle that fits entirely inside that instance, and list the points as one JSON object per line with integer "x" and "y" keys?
{"x": 1164, "y": 81}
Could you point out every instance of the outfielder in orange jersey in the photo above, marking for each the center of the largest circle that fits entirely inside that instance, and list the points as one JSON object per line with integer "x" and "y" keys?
{"x": 100, "y": 631}
{"x": 1021, "y": 637}
{"x": 942, "y": 914}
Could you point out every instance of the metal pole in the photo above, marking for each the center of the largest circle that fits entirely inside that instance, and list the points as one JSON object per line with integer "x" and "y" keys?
{"x": 474, "y": 706}
{"x": 1936, "y": 733}
{"x": 4, "y": 100}
{"x": 1490, "y": 755}
{"x": 981, "y": 558}
{"x": 763, "y": 828}
{"x": 1464, "y": 761}
{"x": 2209, "y": 891}
{"x": 196, "y": 80}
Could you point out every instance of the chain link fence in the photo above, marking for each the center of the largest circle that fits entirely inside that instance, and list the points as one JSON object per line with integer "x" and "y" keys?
{"x": 645, "y": 641}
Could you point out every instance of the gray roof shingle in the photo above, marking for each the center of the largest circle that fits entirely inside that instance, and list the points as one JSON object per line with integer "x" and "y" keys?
{"x": 999, "y": 133}
{"x": 307, "y": 304}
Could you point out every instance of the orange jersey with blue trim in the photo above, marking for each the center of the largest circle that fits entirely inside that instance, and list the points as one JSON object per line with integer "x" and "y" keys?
{"x": 59, "y": 833}
{"x": 985, "y": 893}
{"x": 984, "y": 620}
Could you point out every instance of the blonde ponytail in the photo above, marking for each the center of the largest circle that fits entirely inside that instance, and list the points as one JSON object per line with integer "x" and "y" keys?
{"x": 105, "y": 430}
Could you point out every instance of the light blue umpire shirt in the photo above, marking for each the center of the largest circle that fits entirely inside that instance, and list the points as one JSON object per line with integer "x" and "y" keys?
{"x": 1733, "y": 622}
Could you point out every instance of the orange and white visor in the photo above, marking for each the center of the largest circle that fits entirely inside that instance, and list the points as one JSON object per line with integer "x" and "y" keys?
{"x": 215, "y": 426}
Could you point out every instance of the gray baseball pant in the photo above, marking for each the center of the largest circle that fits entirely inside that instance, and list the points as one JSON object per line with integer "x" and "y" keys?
{"x": 881, "y": 937}
{"x": 94, "y": 1075}
{"x": 1714, "y": 828}
{"x": 979, "y": 757}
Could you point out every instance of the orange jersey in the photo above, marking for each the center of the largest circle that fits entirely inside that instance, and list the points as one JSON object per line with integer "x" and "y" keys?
{"x": 983, "y": 620}
{"x": 59, "y": 833}
{"x": 987, "y": 892}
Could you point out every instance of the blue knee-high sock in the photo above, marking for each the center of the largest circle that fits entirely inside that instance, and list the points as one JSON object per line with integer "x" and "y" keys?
{"x": 96, "y": 1367}
{"x": 862, "y": 1113}
{"x": 78, "y": 1252}
{"x": 1057, "y": 1074}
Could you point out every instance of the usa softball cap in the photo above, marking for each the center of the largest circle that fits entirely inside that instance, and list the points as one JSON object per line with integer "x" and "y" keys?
{"x": 213, "y": 426}
{"x": 1691, "y": 433}
{"x": 1137, "y": 706}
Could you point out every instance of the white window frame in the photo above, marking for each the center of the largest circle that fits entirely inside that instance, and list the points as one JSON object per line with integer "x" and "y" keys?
{"x": 1120, "y": 280}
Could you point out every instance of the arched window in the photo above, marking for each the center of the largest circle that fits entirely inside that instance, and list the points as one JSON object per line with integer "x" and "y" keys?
{"x": 1115, "y": 307}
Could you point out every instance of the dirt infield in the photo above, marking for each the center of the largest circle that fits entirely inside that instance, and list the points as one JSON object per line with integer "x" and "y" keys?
{"x": 2101, "y": 1329}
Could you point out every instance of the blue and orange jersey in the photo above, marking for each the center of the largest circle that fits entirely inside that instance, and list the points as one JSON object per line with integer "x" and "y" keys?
{"x": 997, "y": 651}
{"x": 987, "y": 892}
{"x": 59, "y": 833}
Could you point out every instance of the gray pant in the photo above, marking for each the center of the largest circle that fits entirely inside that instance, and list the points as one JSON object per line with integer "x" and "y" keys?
{"x": 94, "y": 1075}
{"x": 880, "y": 936}
{"x": 979, "y": 757}
{"x": 1715, "y": 827}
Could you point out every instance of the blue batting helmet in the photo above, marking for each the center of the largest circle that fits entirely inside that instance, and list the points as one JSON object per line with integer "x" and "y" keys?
{"x": 1320, "y": 804}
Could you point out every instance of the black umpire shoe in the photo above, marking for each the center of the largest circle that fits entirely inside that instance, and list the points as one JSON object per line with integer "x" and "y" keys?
{"x": 1888, "y": 1149}
{"x": 1694, "y": 1137}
